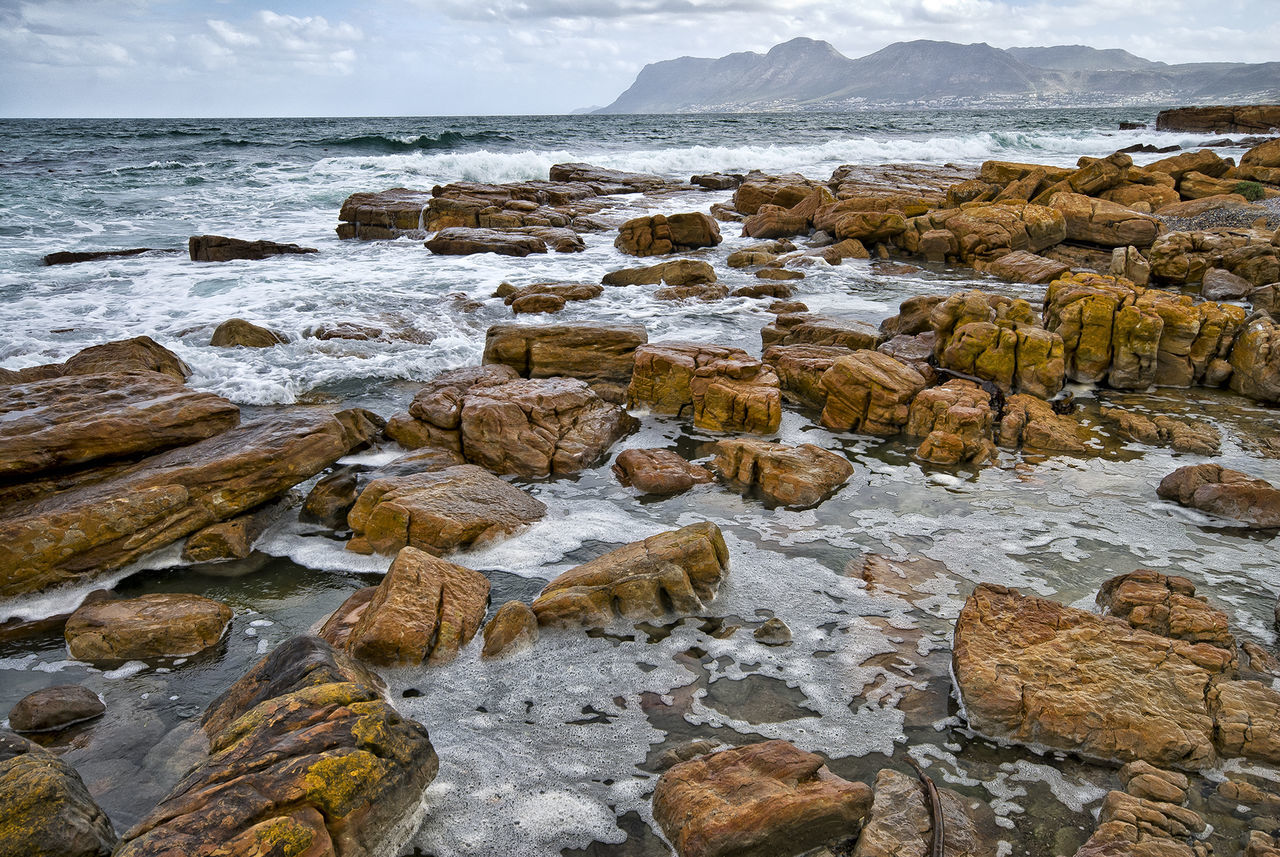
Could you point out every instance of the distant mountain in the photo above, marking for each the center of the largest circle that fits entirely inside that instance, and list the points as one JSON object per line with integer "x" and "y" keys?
{"x": 807, "y": 74}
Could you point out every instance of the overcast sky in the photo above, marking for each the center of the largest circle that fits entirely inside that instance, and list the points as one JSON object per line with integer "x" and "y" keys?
{"x": 421, "y": 57}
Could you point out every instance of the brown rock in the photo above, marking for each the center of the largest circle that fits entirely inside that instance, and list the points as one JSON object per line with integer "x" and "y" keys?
{"x": 664, "y": 372}
{"x": 901, "y": 822}
{"x": 736, "y": 395}
{"x": 45, "y": 809}
{"x": 809, "y": 329}
{"x": 224, "y": 540}
{"x": 762, "y": 800}
{"x": 1151, "y": 783}
{"x": 1255, "y": 361}
{"x": 658, "y": 234}
{"x": 658, "y": 471}
{"x": 1097, "y": 221}
{"x": 236, "y": 332}
{"x": 1180, "y": 435}
{"x": 773, "y": 221}
{"x": 800, "y": 369}
{"x": 142, "y": 353}
{"x": 765, "y": 290}
{"x": 784, "y": 191}
{"x": 913, "y": 316}
{"x": 781, "y": 274}
{"x": 956, "y": 422}
{"x": 216, "y": 248}
{"x": 1023, "y": 267}
{"x": 439, "y": 511}
{"x": 701, "y": 292}
{"x": 677, "y": 571}
{"x": 869, "y": 392}
{"x": 1226, "y": 493}
{"x": 677, "y": 272}
{"x": 512, "y": 628}
{"x": 151, "y": 626}
{"x": 57, "y": 707}
{"x": 1130, "y": 264}
{"x": 1204, "y": 161}
{"x": 1031, "y": 423}
{"x": 1247, "y": 715}
{"x": 798, "y": 477}
{"x": 1165, "y": 605}
{"x": 465, "y": 241}
{"x": 595, "y": 353}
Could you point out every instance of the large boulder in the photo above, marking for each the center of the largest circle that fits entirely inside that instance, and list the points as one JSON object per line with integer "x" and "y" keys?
{"x": 142, "y": 353}
{"x": 435, "y": 415}
{"x": 1166, "y": 605}
{"x": 1023, "y": 267}
{"x": 53, "y": 708}
{"x": 869, "y": 392}
{"x": 439, "y": 511}
{"x": 983, "y": 233}
{"x": 1247, "y": 714}
{"x": 783, "y": 191}
{"x": 104, "y": 525}
{"x": 600, "y": 354}
{"x": 1104, "y": 223}
{"x": 159, "y": 625}
{"x": 45, "y": 809}
{"x": 307, "y": 758}
{"x": 539, "y": 427}
{"x": 675, "y": 571}
{"x": 663, "y": 374}
{"x": 1000, "y": 340}
{"x": 465, "y": 241}
{"x": 1255, "y": 361}
{"x": 809, "y": 329}
{"x": 658, "y": 471}
{"x": 763, "y": 800}
{"x": 800, "y": 369}
{"x": 736, "y": 395}
{"x": 424, "y": 610}
{"x": 798, "y": 477}
{"x": 677, "y": 272}
{"x": 1036, "y": 672}
{"x": 217, "y": 248}
{"x": 901, "y": 822}
{"x": 658, "y": 234}
{"x": 1223, "y": 492}
{"x": 238, "y": 333}
{"x": 956, "y": 423}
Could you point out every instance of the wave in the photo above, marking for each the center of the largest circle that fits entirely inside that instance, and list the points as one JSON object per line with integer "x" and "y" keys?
{"x": 447, "y": 140}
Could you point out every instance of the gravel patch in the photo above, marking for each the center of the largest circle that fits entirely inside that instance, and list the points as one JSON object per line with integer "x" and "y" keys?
{"x": 1228, "y": 217}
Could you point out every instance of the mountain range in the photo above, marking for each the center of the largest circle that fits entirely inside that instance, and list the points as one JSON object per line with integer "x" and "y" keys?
{"x": 808, "y": 74}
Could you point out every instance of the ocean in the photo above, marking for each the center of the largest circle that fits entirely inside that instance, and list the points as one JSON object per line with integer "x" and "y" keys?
{"x": 554, "y": 752}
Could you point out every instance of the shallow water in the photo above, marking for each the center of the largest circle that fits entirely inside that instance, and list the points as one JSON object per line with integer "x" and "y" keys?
{"x": 555, "y": 750}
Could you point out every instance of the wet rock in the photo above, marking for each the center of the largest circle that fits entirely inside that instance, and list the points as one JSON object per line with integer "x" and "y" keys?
{"x": 217, "y": 248}
{"x": 764, "y": 290}
{"x": 56, "y": 707}
{"x": 1190, "y": 436}
{"x": 74, "y": 258}
{"x": 236, "y": 332}
{"x": 784, "y": 191}
{"x": 1220, "y": 285}
{"x": 658, "y": 234}
{"x": 79, "y": 420}
{"x": 774, "y": 221}
{"x": 701, "y": 292}
{"x": 773, "y": 632}
{"x": 513, "y": 628}
{"x": 596, "y": 353}
{"x": 439, "y": 511}
{"x": 984, "y": 233}
{"x": 901, "y": 822}
{"x": 435, "y": 415}
{"x": 914, "y": 316}
{"x": 658, "y": 471}
{"x": 768, "y": 798}
{"x": 546, "y": 297}
{"x": 106, "y": 524}
{"x": 664, "y": 372}
{"x": 307, "y": 757}
{"x": 956, "y": 422}
{"x": 717, "y": 181}
{"x": 1153, "y": 824}
{"x": 913, "y": 578}
{"x": 779, "y": 275}
{"x": 870, "y": 393}
{"x": 1227, "y": 493}
{"x": 798, "y": 477}
{"x": 539, "y": 427}
{"x": 142, "y": 353}
{"x": 996, "y": 339}
{"x": 1106, "y": 224}
{"x": 225, "y": 540}
{"x": 677, "y": 571}
{"x": 1031, "y": 423}
{"x": 1261, "y": 844}
{"x": 809, "y": 329}
{"x": 1037, "y": 672}
{"x": 1255, "y": 361}
{"x": 1146, "y": 781}
{"x": 677, "y": 272}
{"x": 1023, "y": 267}
{"x": 425, "y": 610}
{"x": 1247, "y": 714}
{"x": 1165, "y": 605}
{"x": 736, "y": 395}
{"x": 332, "y": 498}
{"x": 1261, "y": 660}
{"x": 800, "y": 369}
{"x": 465, "y": 241}
{"x": 45, "y": 809}
{"x": 160, "y": 625}
{"x": 763, "y": 253}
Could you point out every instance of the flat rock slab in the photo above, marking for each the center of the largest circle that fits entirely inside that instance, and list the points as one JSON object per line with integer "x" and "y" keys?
{"x": 45, "y": 808}
{"x": 142, "y": 353}
{"x": 78, "y": 420}
{"x": 675, "y": 571}
{"x": 763, "y": 800}
{"x": 160, "y": 625}
{"x": 798, "y": 477}
{"x": 592, "y": 352}
{"x": 1036, "y": 672}
{"x": 307, "y": 757}
{"x": 464, "y": 241}
{"x": 56, "y": 707}
{"x": 439, "y": 511}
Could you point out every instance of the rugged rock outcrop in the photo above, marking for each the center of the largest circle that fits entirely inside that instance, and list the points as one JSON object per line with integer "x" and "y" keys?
{"x": 217, "y": 248}
{"x": 1023, "y": 267}
{"x": 869, "y": 392}
{"x": 1227, "y": 493}
{"x": 600, "y": 354}
{"x": 306, "y": 757}
{"x": 658, "y": 471}
{"x": 798, "y": 477}
{"x": 808, "y": 329}
{"x": 800, "y": 369}
{"x": 737, "y": 394}
{"x": 956, "y": 422}
{"x": 45, "y": 809}
{"x": 1161, "y": 430}
{"x": 142, "y": 353}
{"x": 983, "y": 233}
{"x": 1166, "y": 605}
{"x": 1031, "y": 423}
{"x": 663, "y": 374}
{"x": 763, "y": 799}
{"x": 159, "y": 625}
{"x": 435, "y": 415}
{"x": 465, "y": 241}
{"x": 998, "y": 340}
{"x": 513, "y": 627}
{"x": 1255, "y": 361}
{"x": 1234, "y": 119}
{"x": 1104, "y": 223}
{"x": 659, "y": 234}
{"x": 677, "y": 571}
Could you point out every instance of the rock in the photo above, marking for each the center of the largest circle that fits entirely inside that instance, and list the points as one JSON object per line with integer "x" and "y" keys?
{"x": 677, "y": 272}
{"x": 1261, "y": 845}
{"x": 956, "y": 422}
{"x": 425, "y": 610}
{"x": 849, "y": 248}
{"x": 809, "y": 329}
{"x": 773, "y": 632}
{"x": 664, "y": 372}
{"x": 604, "y": 179}
{"x": 999, "y": 340}
{"x": 79, "y": 420}
{"x": 142, "y": 353}
{"x": 1023, "y": 267}
{"x": 913, "y": 316}
{"x": 1247, "y": 714}
{"x": 160, "y": 625}
{"x": 677, "y": 571}
{"x": 769, "y": 798}
{"x": 800, "y": 369}
{"x": 702, "y": 292}
{"x": 1225, "y": 493}
{"x": 437, "y": 407}
{"x": 222, "y": 541}
{"x": 870, "y": 393}
{"x": 307, "y": 757}
{"x": 74, "y": 258}
{"x": 595, "y": 353}
{"x": 1036, "y": 672}
{"x": 1146, "y": 781}
{"x": 1266, "y": 154}
{"x": 765, "y": 290}
{"x": 539, "y": 427}
{"x": 45, "y": 809}
{"x": 717, "y": 181}
{"x": 1130, "y": 264}
{"x": 1180, "y": 435}
{"x": 784, "y": 191}
{"x": 439, "y": 511}
{"x": 238, "y": 332}
{"x": 1204, "y": 161}
{"x": 1226, "y": 202}
{"x": 779, "y": 274}
{"x": 798, "y": 477}
{"x": 1153, "y": 817}
{"x": 773, "y": 221}
{"x": 1255, "y": 361}
{"x": 465, "y": 241}
{"x": 548, "y": 297}
{"x": 658, "y": 234}
{"x": 736, "y": 395}
{"x": 1165, "y": 605}
{"x": 1031, "y": 423}
{"x": 513, "y": 628}
{"x": 56, "y": 707}
{"x": 216, "y": 248}
{"x": 1145, "y": 198}
{"x": 1107, "y": 224}
{"x": 901, "y": 822}
{"x": 658, "y": 471}
{"x": 938, "y": 245}
{"x": 106, "y": 524}
{"x": 986, "y": 232}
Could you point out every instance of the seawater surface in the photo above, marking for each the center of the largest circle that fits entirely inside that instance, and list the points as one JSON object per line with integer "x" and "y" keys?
{"x": 555, "y": 751}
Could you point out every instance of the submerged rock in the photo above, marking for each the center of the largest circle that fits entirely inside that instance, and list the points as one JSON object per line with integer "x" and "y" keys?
{"x": 512, "y": 628}
{"x": 217, "y": 248}
{"x": 56, "y": 707}
{"x": 236, "y": 332}
{"x": 45, "y": 809}
{"x": 763, "y": 799}
{"x": 159, "y": 625}
{"x": 658, "y": 471}
{"x": 1162, "y": 430}
{"x": 798, "y": 477}
{"x": 1228, "y": 493}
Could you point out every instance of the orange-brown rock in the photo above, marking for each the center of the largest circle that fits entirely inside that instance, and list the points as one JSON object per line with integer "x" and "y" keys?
{"x": 1023, "y": 267}
{"x": 984, "y": 232}
{"x": 1247, "y": 714}
{"x": 1204, "y": 161}
{"x": 783, "y": 191}
{"x": 425, "y": 609}
{"x": 1194, "y": 436}
{"x": 160, "y": 625}
{"x": 810, "y": 329}
{"x": 465, "y": 241}
{"x": 763, "y": 799}
{"x": 1227, "y": 493}
{"x": 595, "y": 353}
{"x": 1165, "y": 605}
{"x": 1255, "y": 361}
{"x": 677, "y": 272}
{"x": 664, "y": 372}
{"x": 1037, "y": 672}
{"x": 869, "y": 392}
{"x": 956, "y": 422}
{"x": 658, "y": 471}
{"x": 142, "y": 353}
{"x": 699, "y": 291}
{"x": 217, "y": 248}
{"x": 798, "y": 477}
{"x": 800, "y": 369}
{"x": 677, "y": 571}
{"x": 512, "y": 628}
{"x": 913, "y": 316}
{"x": 999, "y": 340}
{"x": 901, "y": 821}
{"x": 437, "y": 407}
{"x": 657, "y": 234}
{"x": 1031, "y": 423}
{"x": 736, "y": 395}
{"x": 1107, "y": 224}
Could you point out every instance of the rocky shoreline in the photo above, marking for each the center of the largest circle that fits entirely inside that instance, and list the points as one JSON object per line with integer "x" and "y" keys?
{"x": 1126, "y": 282}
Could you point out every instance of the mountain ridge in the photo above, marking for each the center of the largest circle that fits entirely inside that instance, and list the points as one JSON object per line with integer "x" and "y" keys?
{"x": 809, "y": 74}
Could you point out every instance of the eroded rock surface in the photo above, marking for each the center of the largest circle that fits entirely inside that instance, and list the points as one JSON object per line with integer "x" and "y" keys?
{"x": 45, "y": 809}
{"x": 159, "y": 625}
{"x": 901, "y": 825}
{"x": 658, "y": 471}
{"x": 1227, "y": 493}
{"x": 794, "y": 476}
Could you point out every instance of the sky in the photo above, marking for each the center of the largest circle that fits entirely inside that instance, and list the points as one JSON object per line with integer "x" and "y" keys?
{"x": 148, "y": 58}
